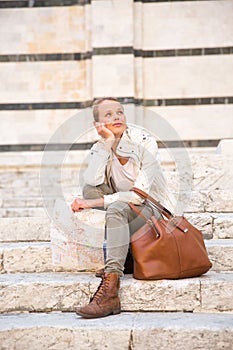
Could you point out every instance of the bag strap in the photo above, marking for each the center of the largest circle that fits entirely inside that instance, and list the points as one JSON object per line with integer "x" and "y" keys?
{"x": 158, "y": 206}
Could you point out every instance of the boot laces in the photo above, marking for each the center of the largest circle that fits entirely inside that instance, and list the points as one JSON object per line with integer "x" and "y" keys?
{"x": 101, "y": 289}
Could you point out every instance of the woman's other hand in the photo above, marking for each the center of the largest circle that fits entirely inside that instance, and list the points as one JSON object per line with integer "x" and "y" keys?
{"x": 79, "y": 204}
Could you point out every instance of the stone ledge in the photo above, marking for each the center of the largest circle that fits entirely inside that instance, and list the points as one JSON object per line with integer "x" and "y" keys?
{"x": 217, "y": 201}
{"x": 37, "y": 257}
{"x": 221, "y": 254}
{"x": 64, "y": 292}
{"x": 24, "y": 159}
{"x": 125, "y": 331}
{"x": 34, "y": 229}
{"x": 22, "y": 212}
{"x": 18, "y": 229}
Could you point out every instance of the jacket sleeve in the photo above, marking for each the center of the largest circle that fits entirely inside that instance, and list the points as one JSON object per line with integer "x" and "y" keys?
{"x": 97, "y": 160}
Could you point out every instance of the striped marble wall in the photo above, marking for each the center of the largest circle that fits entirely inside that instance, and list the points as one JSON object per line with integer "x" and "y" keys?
{"x": 174, "y": 58}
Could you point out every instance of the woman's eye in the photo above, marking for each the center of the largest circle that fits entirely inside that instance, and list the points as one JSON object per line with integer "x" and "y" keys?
{"x": 119, "y": 112}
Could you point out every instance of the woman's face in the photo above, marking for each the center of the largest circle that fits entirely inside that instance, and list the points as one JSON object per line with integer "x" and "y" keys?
{"x": 111, "y": 113}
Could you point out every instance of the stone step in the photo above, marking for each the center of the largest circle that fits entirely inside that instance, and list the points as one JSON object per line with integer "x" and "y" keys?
{"x": 22, "y": 212}
{"x": 28, "y": 182}
{"x": 15, "y": 229}
{"x": 46, "y": 292}
{"x": 26, "y": 160}
{"x": 67, "y": 331}
{"x": 216, "y": 201}
{"x": 206, "y": 176}
{"x": 31, "y": 257}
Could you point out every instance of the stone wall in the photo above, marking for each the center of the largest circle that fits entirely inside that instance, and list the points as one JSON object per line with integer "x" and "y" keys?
{"x": 173, "y": 57}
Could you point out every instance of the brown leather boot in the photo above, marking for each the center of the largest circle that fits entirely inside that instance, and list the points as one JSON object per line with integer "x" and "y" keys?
{"x": 99, "y": 273}
{"x": 105, "y": 300}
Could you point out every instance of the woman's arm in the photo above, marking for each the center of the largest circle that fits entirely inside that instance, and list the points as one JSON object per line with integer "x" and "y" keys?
{"x": 98, "y": 158}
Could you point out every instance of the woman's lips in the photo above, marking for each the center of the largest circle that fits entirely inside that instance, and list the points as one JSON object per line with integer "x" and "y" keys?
{"x": 117, "y": 124}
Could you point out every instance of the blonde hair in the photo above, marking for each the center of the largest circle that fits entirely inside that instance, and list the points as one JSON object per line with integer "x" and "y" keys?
{"x": 96, "y": 104}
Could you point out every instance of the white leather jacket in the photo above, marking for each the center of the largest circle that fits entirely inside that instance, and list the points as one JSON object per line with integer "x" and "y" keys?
{"x": 139, "y": 145}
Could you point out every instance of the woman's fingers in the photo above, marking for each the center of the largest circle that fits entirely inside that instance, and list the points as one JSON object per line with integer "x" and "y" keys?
{"x": 79, "y": 204}
{"x": 103, "y": 131}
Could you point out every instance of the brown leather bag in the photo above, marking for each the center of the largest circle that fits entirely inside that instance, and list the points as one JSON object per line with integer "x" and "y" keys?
{"x": 168, "y": 248}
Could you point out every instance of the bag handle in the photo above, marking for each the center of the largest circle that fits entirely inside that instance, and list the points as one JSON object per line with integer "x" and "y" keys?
{"x": 148, "y": 221}
{"x": 133, "y": 207}
{"x": 159, "y": 206}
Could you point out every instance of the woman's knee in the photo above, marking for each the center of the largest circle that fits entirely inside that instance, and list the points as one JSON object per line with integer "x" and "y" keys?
{"x": 118, "y": 210}
{"x": 94, "y": 192}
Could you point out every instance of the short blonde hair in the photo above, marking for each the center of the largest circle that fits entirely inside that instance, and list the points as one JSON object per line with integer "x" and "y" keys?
{"x": 96, "y": 104}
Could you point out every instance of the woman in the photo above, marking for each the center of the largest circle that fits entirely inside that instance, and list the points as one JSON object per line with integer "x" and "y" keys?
{"x": 124, "y": 157}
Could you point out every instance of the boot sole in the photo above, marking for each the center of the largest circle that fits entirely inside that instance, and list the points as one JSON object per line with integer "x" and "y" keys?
{"x": 114, "y": 312}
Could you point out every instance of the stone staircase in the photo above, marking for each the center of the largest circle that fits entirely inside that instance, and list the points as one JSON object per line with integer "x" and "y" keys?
{"x": 37, "y": 300}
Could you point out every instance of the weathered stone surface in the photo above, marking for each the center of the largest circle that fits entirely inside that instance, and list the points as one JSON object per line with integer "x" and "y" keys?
{"x": 161, "y": 295}
{"x": 29, "y": 163}
{"x": 77, "y": 239}
{"x": 1, "y": 260}
{"x": 191, "y": 29}
{"x": 32, "y": 82}
{"x": 221, "y": 254}
{"x": 216, "y": 292}
{"x": 112, "y": 23}
{"x": 25, "y": 192}
{"x": 223, "y": 226}
{"x": 24, "y": 257}
{"x": 67, "y": 331}
{"x": 204, "y": 222}
{"x": 22, "y": 202}
{"x": 37, "y": 257}
{"x": 47, "y": 40}
{"x": 198, "y": 69}
{"x": 22, "y": 212}
{"x": 209, "y": 186}
{"x": 182, "y": 331}
{"x": 38, "y": 228}
{"x": 43, "y": 292}
{"x": 218, "y": 201}
{"x": 212, "y": 172}
{"x": 190, "y": 202}
{"x": 64, "y": 292}
{"x": 18, "y": 229}
{"x": 208, "y": 173}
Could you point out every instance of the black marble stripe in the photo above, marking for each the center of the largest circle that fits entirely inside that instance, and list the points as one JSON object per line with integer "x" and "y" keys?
{"x": 124, "y": 100}
{"x": 184, "y": 101}
{"x": 184, "y": 52}
{"x": 113, "y": 50}
{"x": 78, "y": 56}
{"x": 49, "y": 147}
{"x": 44, "y": 105}
{"x": 87, "y": 145}
{"x": 154, "y": 1}
{"x": 41, "y": 3}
